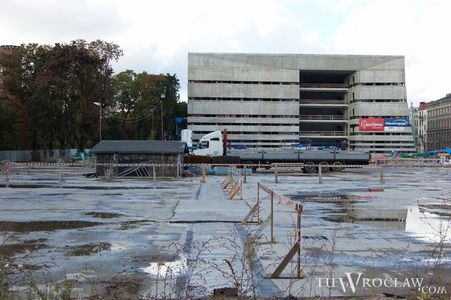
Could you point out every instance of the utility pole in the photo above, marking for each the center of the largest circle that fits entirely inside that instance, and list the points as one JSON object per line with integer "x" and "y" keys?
{"x": 162, "y": 97}
{"x": 99, "y": 104}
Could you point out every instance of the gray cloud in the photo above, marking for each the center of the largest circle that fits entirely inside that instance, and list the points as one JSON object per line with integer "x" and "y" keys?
{"x": 157, "y": 35}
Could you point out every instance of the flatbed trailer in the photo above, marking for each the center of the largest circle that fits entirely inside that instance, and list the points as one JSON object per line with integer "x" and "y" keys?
{"x": 213, "y": 150}
{"x": 329, "y": 157}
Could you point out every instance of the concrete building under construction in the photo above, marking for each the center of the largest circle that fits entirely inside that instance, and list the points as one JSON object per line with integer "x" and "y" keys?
{"x": 274, "y": 100}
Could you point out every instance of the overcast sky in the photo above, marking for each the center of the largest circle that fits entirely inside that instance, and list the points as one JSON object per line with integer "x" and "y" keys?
{"x": 157, "y": 35}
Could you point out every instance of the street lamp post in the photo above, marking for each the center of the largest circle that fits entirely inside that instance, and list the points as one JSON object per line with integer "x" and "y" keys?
{"x": 100, "y": 118}
{"x": 162, "y": 97}
{"x": 152, "y": 111}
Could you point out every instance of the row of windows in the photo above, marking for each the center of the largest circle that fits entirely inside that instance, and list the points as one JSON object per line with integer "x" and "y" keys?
{"x": 378, "y": 117}
{"x": 245, "y": 82}
{"x": 441, "y": 111}
{"x": 381, "y": 133}
{"x": 377, "y": 100}
{"x": 289, "y": 99}
{"x": 253, "y": 132}
{"x": 297, "y": 133}
{"x": 386, "y": 146}
{"x": 292, "y": 82}
{"x": 379, "y": 142}
{"x": 353, "y": 98}
{"x": 439, "y": 124}
{"x": 259, "y": 143}
{"x": 243, "y": 99}
{"x": 243, "y": 116}
{"x": 244, "y": 124}
{"x": 439, "y": 134}
{"x": 382, "y": 83}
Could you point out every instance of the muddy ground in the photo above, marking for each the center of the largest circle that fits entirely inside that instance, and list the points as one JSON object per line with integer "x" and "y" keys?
{"x": 113, "y": 240}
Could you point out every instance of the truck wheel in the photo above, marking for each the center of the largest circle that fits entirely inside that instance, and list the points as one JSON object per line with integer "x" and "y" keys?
{"x": 337, "y": 166}
{"x": 324, "y": 167}
{"x": 309, "y": 167}
{"x": 251, "y": 165}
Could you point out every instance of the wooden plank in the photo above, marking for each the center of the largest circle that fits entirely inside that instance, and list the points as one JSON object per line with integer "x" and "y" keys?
{"x": 285, "y": 261}
{"x": 269, "y": 191}
{"x": 262, "y": 227}
{"x": 250, "y": 213}
{"x": 234, "y": 192}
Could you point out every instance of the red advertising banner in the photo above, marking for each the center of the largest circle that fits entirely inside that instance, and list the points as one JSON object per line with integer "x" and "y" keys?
{"x": 371, "y": 124}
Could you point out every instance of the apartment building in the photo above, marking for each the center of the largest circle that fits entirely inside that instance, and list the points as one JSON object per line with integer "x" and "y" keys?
{"x": 414, "y": 124}
{"x": 422, "y": 126}
{"x": 439, "y": 123}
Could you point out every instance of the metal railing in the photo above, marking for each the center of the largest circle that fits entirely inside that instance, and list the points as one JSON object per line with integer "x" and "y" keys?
{"x": 322, "y": 133}
{"x": 323, "y": 85}
{"x": 322, "y": 117}
{"x": 322, "y": 101}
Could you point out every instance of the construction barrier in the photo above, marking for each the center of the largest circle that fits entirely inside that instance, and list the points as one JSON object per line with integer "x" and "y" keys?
{"x": 435, "y": 163}
{"x": 280, "y": 200}
{"x": 295, "y": 249}
{"x": 148, "y": 170}
{"x": 233, "y": 183}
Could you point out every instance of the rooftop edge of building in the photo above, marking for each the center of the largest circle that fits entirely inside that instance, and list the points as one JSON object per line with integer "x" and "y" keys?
{"x": 297, "y": 54}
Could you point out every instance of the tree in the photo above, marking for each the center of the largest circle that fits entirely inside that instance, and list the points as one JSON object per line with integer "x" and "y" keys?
{"x": 51, "y": 91}
{"x": 138, "y": 105}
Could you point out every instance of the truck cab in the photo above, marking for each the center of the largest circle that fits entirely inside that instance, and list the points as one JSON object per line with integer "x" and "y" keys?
{"x": 210, "y": 145}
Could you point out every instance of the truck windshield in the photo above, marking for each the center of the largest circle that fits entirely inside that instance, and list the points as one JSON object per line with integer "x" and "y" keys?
{"x": 204, "y": 144}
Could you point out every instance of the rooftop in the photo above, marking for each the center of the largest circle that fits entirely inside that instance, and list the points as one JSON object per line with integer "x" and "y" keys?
{"x": 139, "y": 146}
{"x": 440, "y": 101}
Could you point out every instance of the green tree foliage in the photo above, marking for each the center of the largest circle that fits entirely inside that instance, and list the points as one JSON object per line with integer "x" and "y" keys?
{"x": 50, "y": 93}
{"x": 140, "y": 101}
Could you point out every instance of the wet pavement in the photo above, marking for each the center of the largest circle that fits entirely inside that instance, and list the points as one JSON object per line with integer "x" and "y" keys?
{"x": 137, "y": 238}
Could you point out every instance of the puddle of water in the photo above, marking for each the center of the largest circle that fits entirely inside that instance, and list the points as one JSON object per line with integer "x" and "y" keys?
{"x": 440, "y": 209}
{"x": 326, "y": 197}
{"x": 379, "y": 218}
{"x": 167, "y": 269}
{"x": 428, "y": 227}
{"x": 337, "y": 196}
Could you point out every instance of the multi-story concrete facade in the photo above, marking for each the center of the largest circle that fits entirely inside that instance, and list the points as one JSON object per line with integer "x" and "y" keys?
{"x": 439, "y": 123}
{"x": 272, "y": 100}
{"x": 422, "y": 126}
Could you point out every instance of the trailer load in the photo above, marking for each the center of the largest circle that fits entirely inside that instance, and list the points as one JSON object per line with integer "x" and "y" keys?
{"x": 213, "y": 148}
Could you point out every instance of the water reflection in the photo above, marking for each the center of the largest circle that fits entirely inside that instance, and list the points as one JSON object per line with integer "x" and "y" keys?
{"x": 167, "y": 269}
{"x": 428, "y": 227}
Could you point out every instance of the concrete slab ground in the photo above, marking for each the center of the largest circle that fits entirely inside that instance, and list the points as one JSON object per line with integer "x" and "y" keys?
{"x": 135, "y": 238}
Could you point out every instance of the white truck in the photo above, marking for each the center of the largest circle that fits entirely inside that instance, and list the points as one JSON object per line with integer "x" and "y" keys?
{"x": 213, "y": 148}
